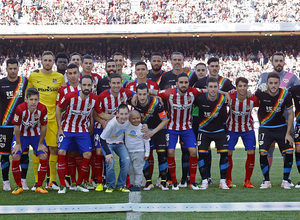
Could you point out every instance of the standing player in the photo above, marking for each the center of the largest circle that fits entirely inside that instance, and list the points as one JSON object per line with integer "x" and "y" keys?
{"x": 273, "y": 127}
{"x": 153, "y": 113}
{"x": 212, "y": 117}
{"x": 180, "y": 101}
{"x": 141, "y": 73}
{"x": 168, "y": 80}
{"x": 295, "y": 92}
{"x": 61, "y": 62}
{"x": 73, "y": 128}
{"x": 12, "y": 92}
{"x": 48, "y": 82}
{"x": 225, "y": 85}
{"x": 30, "y": 122}
{"x": 240, "y": 124}
{"x": 110, "y": 68}
{"x": 76, "y": 58}
{"x": 119, "y": 59}
{"x": 156, "y": 72}
{"x": 287, "y": 80}
{"x": 87, "y": 67}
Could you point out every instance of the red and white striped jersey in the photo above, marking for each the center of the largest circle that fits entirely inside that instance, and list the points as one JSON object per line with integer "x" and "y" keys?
{"x": 108, "y": 103}
{"x": 77, "y": 116}
{"x": 180, "y": 107}
{"x": 64, "y": 90}
{"x": 151, "y": 85}
{"x": 239, "y": 118}
{"x": 30, "y": 123}
{"x": 96, "y": 77}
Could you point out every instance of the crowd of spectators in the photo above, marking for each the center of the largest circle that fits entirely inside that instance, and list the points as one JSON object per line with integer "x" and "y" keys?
{"x": 95, "y": 12}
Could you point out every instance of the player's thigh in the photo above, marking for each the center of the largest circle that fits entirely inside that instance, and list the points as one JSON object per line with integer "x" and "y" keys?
{"x": 249, "y": 140}
{"x": 188, "y": 138}
{"x": 203, "y": 142}
{"x": 83, "y": 141}
{"x": 172, "y": 138}
{"x": 51, "y": 134}
{"x": 6, "y": 139}
{"x": 220, "y": 139}
{"x": 284, "y": 147}
{"x": 265, "y": 139}
{"x": 232, "y": 138}
{"x": 159, "y": 140}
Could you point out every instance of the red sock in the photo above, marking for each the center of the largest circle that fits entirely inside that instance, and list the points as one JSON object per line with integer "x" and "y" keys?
{"x": 193, "y": 168}
{"x": 99, "y": 168}
{"x": 67, "y": 165}
{"x": 16, "y": 170}
{"x": 42, "y": 171}
{"x": 229, "y": 169}
{"x": 249, "y": 166}
{"x": 87, "y": 175}
{"x": 61, "y": 168}
{"x": 72, "y": 168}
{"x": 78, "y": 162}
{"x": 151, "y": 163}
{"x": 172, "y": 168}
{"x": 128, "y": 181}
{"x": 270, "y": 161}
{"x": 84, "y": 168}
{"x": 48, "y": 169}
{"x": 92, "y": 163}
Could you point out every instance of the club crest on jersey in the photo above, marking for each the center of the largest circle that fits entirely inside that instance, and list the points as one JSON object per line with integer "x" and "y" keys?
{"x": 54, "y": 80}
{"x": 122, "y": 99}
{"x": 285, "y": 80}
{"x": 36, "y": 116}
{"x": 89, "y": 106}
{"x": 248, "y": 107}
{"x": 20, "y": 85}
{"x": 94, "y": 82}
{"x": 280, "y": 101}
{"x": 219, "y": 106}
{"x": 16, "y": 118}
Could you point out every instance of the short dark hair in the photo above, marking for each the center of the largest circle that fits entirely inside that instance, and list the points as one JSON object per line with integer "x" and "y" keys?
{"x": 72, "y": 66}
{"x": 115, "y": 75}
{"x": 213, "y": 59}
{"x": 141, "y": 63}
{"x": 241, "y": 79}
{"x": 48, "y": 53}
{"x": 12, "y": 61}
{"x": 87, "y": 56}
{"x": 211, "y": 80}
{"x": 198, "y": 64}
{"x": 86, "y": 77}
{"x": 117, "y": 54}
{"x": 277, "y": 54}
{"x": 183, "y": 74}
{"x": 62, "y": 55}
{"x": 74, "y": 54}
{"x": 109, "y": 61}
{"x": 141, "y": 87}
{"x": 176, "y": 53}
{"x": 122, "y": 106}
{"x": 155, "y": 54}
{"x": 32, "y": 91}
{"x": 273, "y": 75}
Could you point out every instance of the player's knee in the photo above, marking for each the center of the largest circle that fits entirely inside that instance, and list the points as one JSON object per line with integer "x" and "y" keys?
{"x": 289, "y": 152}
{"x": 61, "y": 152}
{"x": 16, "y": 157}
{"x": 248, "y": 152}
{"x": 98, "y": 151}
{"x": 171, "y": 152}
{"x": 43, "y": 156}
{"x": 263, "y": 153}
{"x": 72, "y": 154}
{"x": 87, "y": 155}
{"x": 53, "y": 150}
{"x": 193, "y": 152}
{"x": 230, "y": 152}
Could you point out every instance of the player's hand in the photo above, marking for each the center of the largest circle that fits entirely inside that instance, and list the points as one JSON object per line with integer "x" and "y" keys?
{"x": 186, "y": 69}
{"x": 161, "y": 100}
{"x": 148, "y": 134}
{"x": 134, "y": 100}
{"x": 16, "y": 149}
{"x": 59, "y": 134}
{"x": 91, "y": 129}
{"x": 43, "y": 148}
{"x": 231, "y": 91}
{"x": 263, "y": 87}
{"x": 288, "y": 138}
{"x": 227, "y": 97}
{"x": 109, "y": 158}
{"x": 146, "y": 158}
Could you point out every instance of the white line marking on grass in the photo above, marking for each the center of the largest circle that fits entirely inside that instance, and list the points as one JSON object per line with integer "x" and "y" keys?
{"x": 135, "y": 210}
{"x": 134, "y": 198}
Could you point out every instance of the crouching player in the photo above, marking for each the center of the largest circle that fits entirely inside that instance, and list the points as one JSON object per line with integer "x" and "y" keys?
{"x": 30, "y": 126}
{"x": 73, "y": 128}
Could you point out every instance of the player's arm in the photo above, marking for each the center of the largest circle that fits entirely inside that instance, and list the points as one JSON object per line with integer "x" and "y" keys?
{"x": 161, "y": 125}
{"x": 41, "y": 146}
{"x": 227, "y": 96}
{"x": 92, "y": 125}
{"x": 288, "y": 137}
{"x": 17, "y": 146}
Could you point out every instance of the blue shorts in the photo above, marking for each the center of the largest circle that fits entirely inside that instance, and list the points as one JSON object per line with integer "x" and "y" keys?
{"x": 26, "y": 141}
{"x": 81, "y": 140}
{"x": 98, "y": 142}
{"x": 248, "y": 138}
{"x": 187, "y": 136}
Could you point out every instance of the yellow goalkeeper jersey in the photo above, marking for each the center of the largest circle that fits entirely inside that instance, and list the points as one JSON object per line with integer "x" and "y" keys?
{"x": 48, "y": 86}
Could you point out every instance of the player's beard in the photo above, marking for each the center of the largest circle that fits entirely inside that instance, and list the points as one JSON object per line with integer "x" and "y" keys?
{"x": 183, "y": 90}
{"x": 156, "y": 69}
{"x": 86, "y": 92}
{"x": 278, "y": 68}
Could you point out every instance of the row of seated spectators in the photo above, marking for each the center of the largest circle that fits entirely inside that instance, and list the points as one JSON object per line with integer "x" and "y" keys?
{"x": 94, "y": 12}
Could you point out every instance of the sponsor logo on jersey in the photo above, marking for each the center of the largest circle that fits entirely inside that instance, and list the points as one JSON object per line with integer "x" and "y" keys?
{"x": 48, "y": 89}
{"x": 16, "y": 118}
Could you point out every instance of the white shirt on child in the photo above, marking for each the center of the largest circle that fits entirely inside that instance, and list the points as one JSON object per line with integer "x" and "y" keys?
{"x": 113, "y": 133}
{"x": 134, "y": 140}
